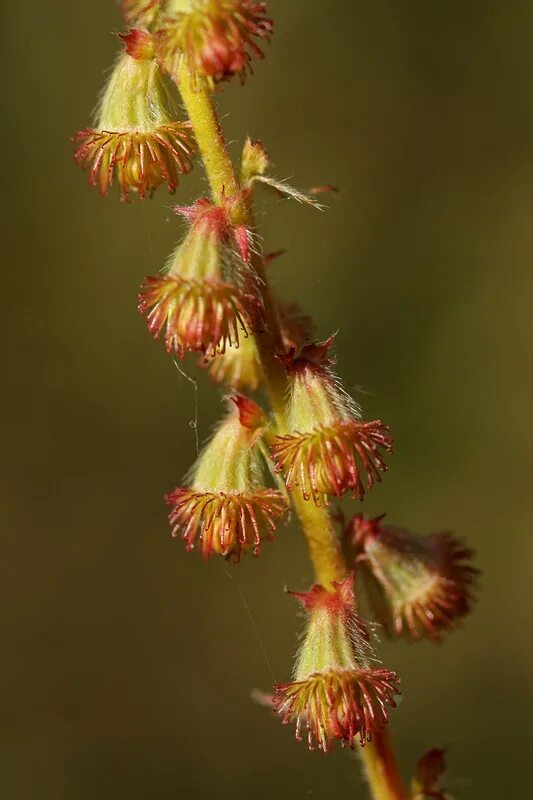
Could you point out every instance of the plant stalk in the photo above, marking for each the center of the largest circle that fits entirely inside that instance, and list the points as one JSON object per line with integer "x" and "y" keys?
{"x": 324, "y": 548}
{"x": 381, "y": 768}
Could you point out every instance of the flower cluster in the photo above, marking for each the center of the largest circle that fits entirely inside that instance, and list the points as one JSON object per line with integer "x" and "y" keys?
{"x": 226, "y": 507}
{"x": 418, "y": 585}
{"x": 330, "y": 449}
{"x": 216, "y": 38}
{"x": 337, "y": 692}
{"x": 208, "y": 296}
{"x": 137, "y": 141}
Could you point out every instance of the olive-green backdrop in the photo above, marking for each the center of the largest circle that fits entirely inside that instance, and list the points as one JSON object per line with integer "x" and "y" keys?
{"x": 127, "y": 663}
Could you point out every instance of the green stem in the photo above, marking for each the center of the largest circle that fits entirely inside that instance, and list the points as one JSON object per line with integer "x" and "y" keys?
{"x": 224, "y": 185}
{"x": 324, "y": 549}
{"x": 381, "y": 768}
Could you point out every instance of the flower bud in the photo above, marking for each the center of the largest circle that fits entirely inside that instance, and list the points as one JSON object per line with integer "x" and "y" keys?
{"x": 208, "y": 296}
{"x": 140, "y": 12}
{"x": 336, "y": 691}
{"x": 330, "y": 449}
{"x": 227, "y": 507}
{"x": 254, "y": 166}
{"x": 418, "y": 585}
{"x": 255, "y": 161}
{"x": 217, "y": 38}
{"x": 137, "y": 140}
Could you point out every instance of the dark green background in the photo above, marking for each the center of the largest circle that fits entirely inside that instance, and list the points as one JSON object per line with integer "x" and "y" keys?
{"x": 127, "y": 663}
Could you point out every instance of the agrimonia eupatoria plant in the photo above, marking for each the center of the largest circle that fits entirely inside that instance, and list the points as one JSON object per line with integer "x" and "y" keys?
{"x": 311, "y": 443}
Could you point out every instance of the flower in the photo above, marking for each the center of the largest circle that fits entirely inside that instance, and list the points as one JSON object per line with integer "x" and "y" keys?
{"x": 208, "y": 296}
{"x": 336, "y": 692}
{"x": 137, "y": 140}
{"x": 226, "y": 508}
{"x": 217, "y": 38}
{"x": 330, "y": 449}
{"x": 418, "y": 585}
{"x": 140, "y": 12}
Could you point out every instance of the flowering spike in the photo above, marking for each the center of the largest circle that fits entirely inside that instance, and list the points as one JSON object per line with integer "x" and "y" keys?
{"x": 137, "y": 140}
{"x": 336, "y": 693}
{"x": 216, "y": 38}
{"x": 227, "y": 509}
{"x": 418, "y": 585}
{"x": 330, "y": 450}
{"x": 208, "y": 297}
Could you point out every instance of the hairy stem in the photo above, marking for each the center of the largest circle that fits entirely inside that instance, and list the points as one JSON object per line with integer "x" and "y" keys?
{"x": 381, "y": 769}
{"x": 322, "y": 540}
{"x": 224, "y": 184}
{"x": 324, "y": 549}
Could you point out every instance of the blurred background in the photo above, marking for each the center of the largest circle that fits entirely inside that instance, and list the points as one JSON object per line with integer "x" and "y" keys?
{"x": 128, "y": 664}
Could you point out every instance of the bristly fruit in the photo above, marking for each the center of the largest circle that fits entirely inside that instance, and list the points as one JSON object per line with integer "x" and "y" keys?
{"x": 337, "y": 692}
{"x": 137, "y": 140}
{"x": 208, "y": 297}
{"x": 329, "y": 450}
{"x": 418, "y": 585}
{"x": 226, "y": 508}
{"x": 216, "y": 38}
